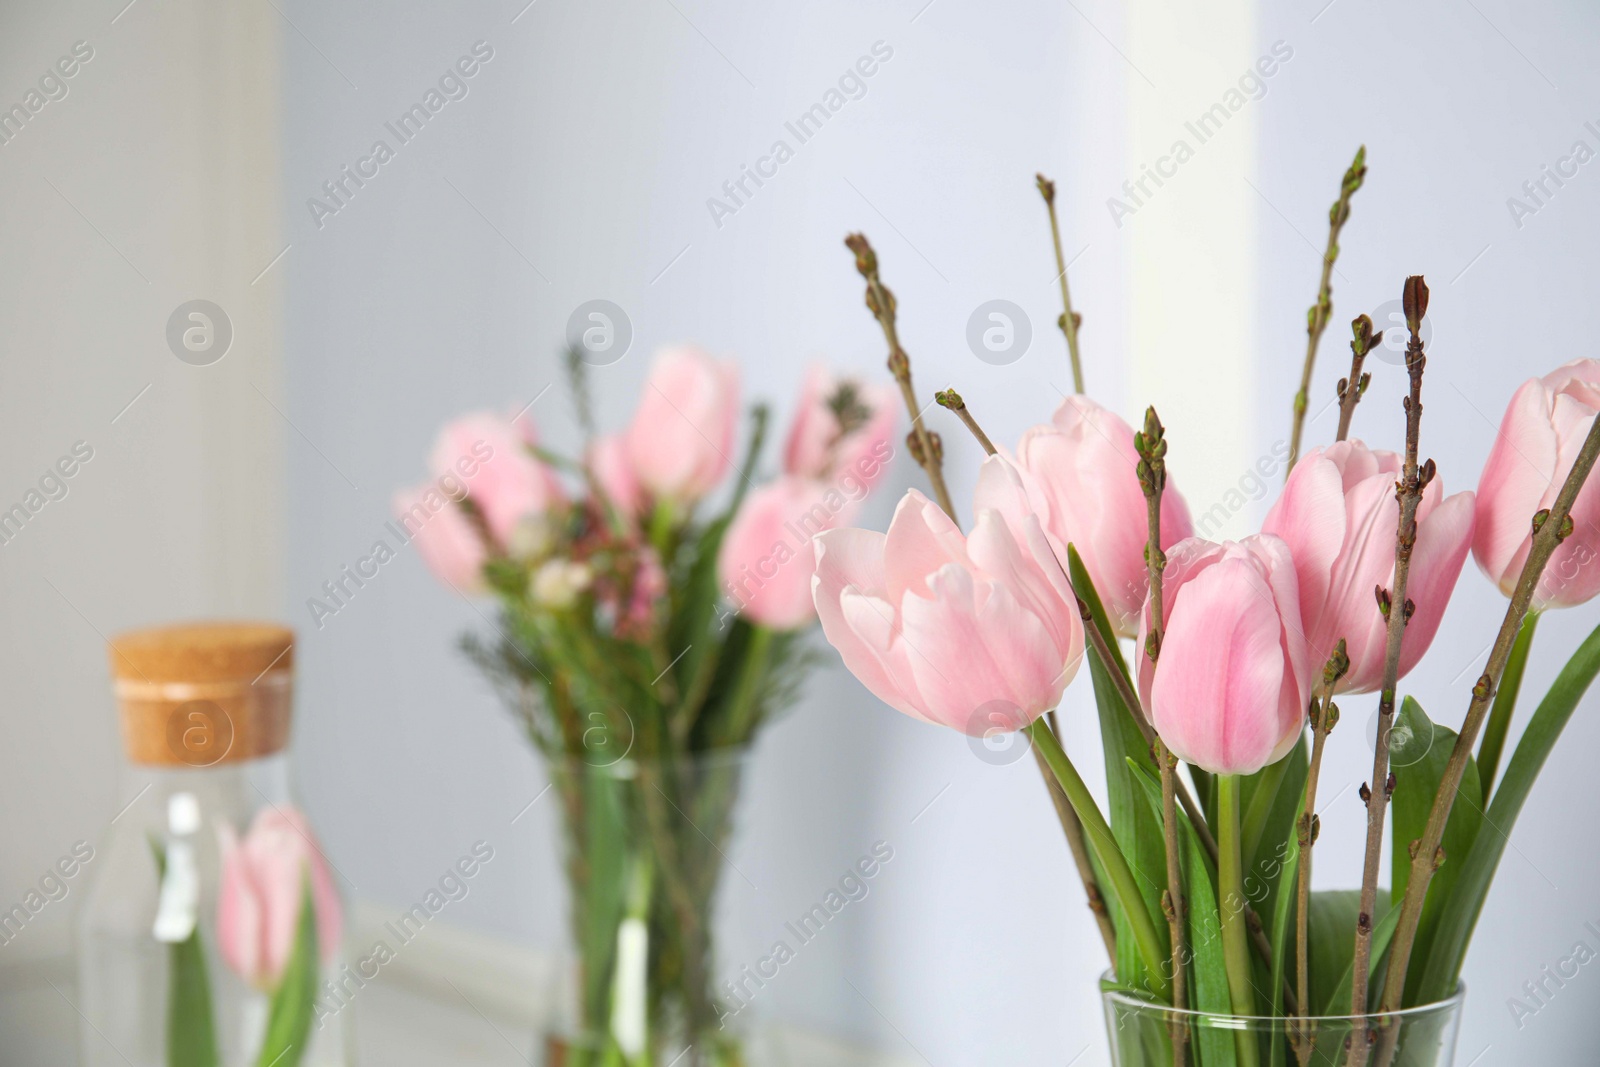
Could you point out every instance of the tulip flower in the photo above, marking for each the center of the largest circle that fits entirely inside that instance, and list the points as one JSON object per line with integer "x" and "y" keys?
{"x": 767, "y": 556}
{"x": 262, "y": 889}
{"x": 494, "y": 458}
{"x": 1229, "y": 690}
{"x": 1339, "y": 515}
{"x": 841, "y": 430}
{"x": 976, "y": 633}
{"x": 681, "y": 437}
{"x": 446, "y": 539}
{"x": 1081, "y": 476}
{"x": 1540, "y": 436}
{"x": 613, "y": 470}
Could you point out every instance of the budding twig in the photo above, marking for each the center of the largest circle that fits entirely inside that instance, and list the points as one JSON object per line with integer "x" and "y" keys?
{"x": 1324, "y": 716}
{"x": 1317, "y": 316}
{"x": 1408, "y": 491}
{"x": 1363, "y": 340}
{"x": 924, "y": 445}
{"x": 1151, "y": 445}
{"x": 1069, "y": 320}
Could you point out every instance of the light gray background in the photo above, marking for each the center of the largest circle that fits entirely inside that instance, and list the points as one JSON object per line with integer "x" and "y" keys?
{"x": 578, "y": 167}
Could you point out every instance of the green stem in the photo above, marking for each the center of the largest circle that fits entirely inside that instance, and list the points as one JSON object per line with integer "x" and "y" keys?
{"x": 747, "y": 687}
{"x": 1230, "y": 894}
{"x": 1505, "y": 703}
{"x": 1261, "y": 801}
{"x": 663, "y": 520}
{"x": 1110, "y": 856}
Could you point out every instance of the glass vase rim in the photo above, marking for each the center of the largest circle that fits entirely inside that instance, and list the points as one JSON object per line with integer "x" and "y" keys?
{"x": 1117, "y": 996}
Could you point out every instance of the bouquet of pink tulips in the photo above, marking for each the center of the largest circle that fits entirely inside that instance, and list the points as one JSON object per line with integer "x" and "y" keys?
{"x": 642, "y": 644}
{"x": 1201, "y": 888}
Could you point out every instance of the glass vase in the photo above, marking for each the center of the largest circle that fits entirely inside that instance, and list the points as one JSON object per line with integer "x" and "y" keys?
{"x": 1142, "y": 1033}
{"x": 645, "y": 848}
{"x": 164, "y": 979}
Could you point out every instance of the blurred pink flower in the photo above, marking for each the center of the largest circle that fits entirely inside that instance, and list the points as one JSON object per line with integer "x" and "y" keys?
{"x": 1229, "y": 690}
{"x": 1081, "y": 475}
{"x": 263, "y": 884}
{"x": 976, "y": 633}
{"x": 1541, "y": 434}
{"x": 611, "y": 467}
{"x": 445, "y": 538}
{"x": 1339, "y": 515}
{"x": 767, "y": 556}
{"x": 491, "y": 457}
{"x": 681, "y": 438}
{"x": 816, "y": 449}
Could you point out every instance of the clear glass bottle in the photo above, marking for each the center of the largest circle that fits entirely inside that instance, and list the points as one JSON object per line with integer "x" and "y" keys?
{"x": 184, "y": 950}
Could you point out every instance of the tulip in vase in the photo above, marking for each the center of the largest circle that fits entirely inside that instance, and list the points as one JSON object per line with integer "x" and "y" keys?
{"x": 1213, "y": 734}
{"x": 643, "y": 640}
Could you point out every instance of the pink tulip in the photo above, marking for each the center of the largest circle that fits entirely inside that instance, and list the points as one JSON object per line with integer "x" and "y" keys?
{"x": 1542, "y": 432}
{"x": 1339, "y": 515}
{"x": 1081, "y": 475}
{"x": 976, "y": 633}
{"x": 445, "y": 538}
{"x": 767, "y": 557}
{"x": 681, "y": 438}
{"x": 611, "y": 467}
{"x": 816, "y": 447}
{"x": 492, "y": 456}
{"x": 263, "y": 886}
{"x": 1229, "y": 690}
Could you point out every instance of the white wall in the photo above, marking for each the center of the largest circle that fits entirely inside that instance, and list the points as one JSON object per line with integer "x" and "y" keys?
{"x": 150, "y": 183}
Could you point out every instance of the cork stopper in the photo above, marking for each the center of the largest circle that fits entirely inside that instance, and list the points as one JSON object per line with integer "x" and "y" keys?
{"x": 199, "y": 694}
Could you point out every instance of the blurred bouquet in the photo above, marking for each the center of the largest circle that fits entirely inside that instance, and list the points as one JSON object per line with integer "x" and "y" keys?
{"x": 1220, "y": 952}
{"x": 643, "y": 646}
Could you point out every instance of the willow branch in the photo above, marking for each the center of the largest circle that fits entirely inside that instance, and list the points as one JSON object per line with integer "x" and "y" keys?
{"x": 1069, "y": 320}
{"x": 1151, "y": 445}
{"x": 1324, "y": 717}
{"x": 1317, "y": 316}
{"x": 1362, "y": 341}
{"x": 1397, "y": 610}
{"x": 925, "y": 446}
{"x": 1550, "y": 528}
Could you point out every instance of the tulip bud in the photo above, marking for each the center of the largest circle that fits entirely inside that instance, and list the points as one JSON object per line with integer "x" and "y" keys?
{"x": 261, "y": 892}
{"x": 503, "y": 479}
{"x": 1542, "y": 431}
{"x": 1339, "y": 515}
{"x": 682, "y": 433}
{"x": 448, "y": 542}
{"x": 1230, "y": 689}
{"x": 1082, "y": 478}
{"x": 842, "y": 431}
{"x": 767, "y": 556}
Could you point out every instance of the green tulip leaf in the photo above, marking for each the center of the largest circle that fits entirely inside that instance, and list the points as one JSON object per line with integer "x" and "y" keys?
{"x": 1459, "y": 914}
{"x": 1137, "y": 832}
{"x": 293, "y": 1003}
{"x": 191, "y": 1029}
{"x": 1209, "y": 973}
{"x": 1419, "y": 750}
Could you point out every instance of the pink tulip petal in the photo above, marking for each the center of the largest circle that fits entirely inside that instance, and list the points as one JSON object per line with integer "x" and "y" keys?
{"x": 1216, "y": 692}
